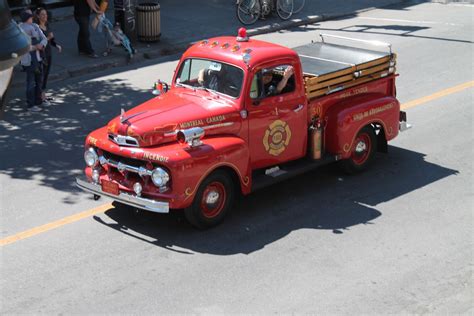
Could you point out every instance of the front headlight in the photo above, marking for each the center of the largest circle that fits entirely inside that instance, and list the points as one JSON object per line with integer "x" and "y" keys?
{"x": 91, "y": 158}
{"x": 160, "y": 177}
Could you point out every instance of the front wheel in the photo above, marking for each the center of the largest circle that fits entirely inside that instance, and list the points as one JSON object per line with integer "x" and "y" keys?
{"x": 284, "y": 9}
{"x": 248, "y": 11}
{"x": 362, "y": 151}
{"x": 212, "y": 202}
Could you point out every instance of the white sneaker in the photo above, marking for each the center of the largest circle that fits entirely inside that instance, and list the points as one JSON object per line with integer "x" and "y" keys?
{"x": 46, "y": 103}
{"x": 35, "y": 109}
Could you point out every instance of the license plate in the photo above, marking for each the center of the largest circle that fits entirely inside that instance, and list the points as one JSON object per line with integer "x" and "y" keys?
{"x": 110, "y": 187}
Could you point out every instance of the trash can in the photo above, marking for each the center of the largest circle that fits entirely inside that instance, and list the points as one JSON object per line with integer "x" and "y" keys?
{"x": 148, "y": 22}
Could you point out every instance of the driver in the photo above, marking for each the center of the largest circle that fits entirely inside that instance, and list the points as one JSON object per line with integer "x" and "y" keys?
{"x": 271, "y": 85}
{"x": 217, "y": 80}
{"x": 208, "y": 78}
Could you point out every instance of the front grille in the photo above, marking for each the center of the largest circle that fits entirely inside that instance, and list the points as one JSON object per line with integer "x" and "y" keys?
{"x": 129, "y": 161}
{"x": 128, "y": 169}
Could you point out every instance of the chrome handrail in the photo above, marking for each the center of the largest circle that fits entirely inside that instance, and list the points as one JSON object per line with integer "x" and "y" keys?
{"x": 371, "y": 42}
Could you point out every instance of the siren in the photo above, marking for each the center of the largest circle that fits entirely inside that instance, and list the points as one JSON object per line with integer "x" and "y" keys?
{"x": 242, "y": 35}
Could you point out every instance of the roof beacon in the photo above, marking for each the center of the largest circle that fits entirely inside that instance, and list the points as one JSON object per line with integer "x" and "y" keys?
{"x": 242, "y": 35}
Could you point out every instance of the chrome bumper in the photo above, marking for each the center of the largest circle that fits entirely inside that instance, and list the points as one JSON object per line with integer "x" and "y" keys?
{"x": 125, "y": 198}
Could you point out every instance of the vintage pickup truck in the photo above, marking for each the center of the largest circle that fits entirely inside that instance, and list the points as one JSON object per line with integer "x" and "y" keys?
{"x": 227, "y": 126}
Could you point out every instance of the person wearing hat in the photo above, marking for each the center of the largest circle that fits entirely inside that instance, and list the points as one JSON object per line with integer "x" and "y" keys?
{"x": 32, "y": 62}
{"x": 271, "y": 86}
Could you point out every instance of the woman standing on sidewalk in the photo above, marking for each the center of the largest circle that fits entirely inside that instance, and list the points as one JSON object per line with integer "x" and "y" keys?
{"x": 42, "y": 19}
{"x": 32, "y": 62}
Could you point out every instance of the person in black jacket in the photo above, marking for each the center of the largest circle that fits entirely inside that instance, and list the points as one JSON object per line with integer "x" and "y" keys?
{"x": 82, "y": 12}
{"x": 273, "y": 86}
{"x": 42, "y": 21}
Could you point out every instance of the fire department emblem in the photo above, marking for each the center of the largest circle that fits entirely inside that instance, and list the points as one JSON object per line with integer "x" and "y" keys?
{"x": 277, "y": 137}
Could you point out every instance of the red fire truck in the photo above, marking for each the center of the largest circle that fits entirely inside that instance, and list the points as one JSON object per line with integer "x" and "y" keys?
{"x": 242, "y": 114}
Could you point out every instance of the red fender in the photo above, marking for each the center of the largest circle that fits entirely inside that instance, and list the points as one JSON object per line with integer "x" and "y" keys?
{"x": 345, "y": 120}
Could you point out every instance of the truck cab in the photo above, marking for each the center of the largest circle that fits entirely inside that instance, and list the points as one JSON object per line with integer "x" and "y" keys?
{"x": 242, "y": 114}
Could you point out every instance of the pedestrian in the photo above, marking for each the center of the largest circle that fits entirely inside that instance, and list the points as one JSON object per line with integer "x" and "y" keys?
{"x": 32, "y": 62}
{"x": 82, "y": 12}
{"x": 42, "y": 20}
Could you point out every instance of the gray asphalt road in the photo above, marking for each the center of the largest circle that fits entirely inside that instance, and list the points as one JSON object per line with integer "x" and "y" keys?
{"x": 396, "y": 239}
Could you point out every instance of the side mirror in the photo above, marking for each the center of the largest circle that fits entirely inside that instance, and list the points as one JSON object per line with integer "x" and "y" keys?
{"x": 160, "y": 87}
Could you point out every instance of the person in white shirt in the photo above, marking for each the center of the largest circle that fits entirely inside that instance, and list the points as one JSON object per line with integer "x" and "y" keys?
{"x": 32, "y": 62}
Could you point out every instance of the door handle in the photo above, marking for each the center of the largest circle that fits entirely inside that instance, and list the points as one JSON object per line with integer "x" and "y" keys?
{"x": 298, "y": 108}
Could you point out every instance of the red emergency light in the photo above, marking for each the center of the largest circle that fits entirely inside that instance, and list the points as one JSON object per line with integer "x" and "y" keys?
{"x": 242, "y": 35}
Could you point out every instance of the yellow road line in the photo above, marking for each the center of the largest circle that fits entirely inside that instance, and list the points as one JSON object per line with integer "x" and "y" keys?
{"x": 55, "y": 224}
{"x": 103, "y": 208}
{"x": 437, "y": 95}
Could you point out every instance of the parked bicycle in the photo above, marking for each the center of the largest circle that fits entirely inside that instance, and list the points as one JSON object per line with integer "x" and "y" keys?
{"x": 248, "y": 11}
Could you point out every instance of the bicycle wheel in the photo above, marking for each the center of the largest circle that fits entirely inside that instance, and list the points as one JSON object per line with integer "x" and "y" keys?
{"x": 248, "y": 11}
{"x": 284, "y": 9}
{"x": 298, "y": 6}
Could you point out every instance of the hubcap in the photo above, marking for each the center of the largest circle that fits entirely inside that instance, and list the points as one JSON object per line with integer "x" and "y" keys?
{"x": 213, "y": 199}
{"x": 361, "y": 149}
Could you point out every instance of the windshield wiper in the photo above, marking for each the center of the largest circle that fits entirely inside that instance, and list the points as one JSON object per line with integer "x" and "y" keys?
{"x": 208, "y": 90}
{"x": 179, "y": 84}
{"x": 213, "y": 92}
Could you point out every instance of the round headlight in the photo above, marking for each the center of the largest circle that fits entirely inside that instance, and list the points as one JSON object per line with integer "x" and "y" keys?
{"x": 91, "y": 158}
{"x": 160, "y": 177}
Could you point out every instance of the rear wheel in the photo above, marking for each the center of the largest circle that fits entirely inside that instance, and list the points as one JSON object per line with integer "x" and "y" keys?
{"x": 248, "y": 11}
{"x": 284, "y": 9}
{"x": 362, "y": 151}
{"x": 212, "y": 202}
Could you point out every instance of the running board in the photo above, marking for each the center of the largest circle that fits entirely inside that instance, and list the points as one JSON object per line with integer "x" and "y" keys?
{"x": 263, "y": 178}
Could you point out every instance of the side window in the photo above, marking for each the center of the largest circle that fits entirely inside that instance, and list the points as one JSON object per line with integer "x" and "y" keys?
{"x": 185, "y": 73}
{"x": 276, "y": 80}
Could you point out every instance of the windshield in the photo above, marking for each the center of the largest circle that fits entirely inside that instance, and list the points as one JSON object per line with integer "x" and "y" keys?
{"x": 211, "y": 75}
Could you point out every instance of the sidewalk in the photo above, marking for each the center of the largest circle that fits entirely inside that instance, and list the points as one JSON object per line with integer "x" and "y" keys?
{"x": 182, "y": 22}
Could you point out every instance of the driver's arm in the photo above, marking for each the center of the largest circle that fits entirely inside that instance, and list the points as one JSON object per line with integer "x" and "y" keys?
{"x": 201, "y": 77}
{"x": 286, "y": 75}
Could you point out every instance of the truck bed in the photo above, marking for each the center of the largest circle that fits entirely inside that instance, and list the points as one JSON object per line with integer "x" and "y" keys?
{"x": 329, "y": 68}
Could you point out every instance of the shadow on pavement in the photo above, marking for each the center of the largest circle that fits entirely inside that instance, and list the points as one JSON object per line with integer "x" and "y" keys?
{"x": 393, "y": 30}
{"x": 323, "y": 200}
{"x": 47, "y": 146}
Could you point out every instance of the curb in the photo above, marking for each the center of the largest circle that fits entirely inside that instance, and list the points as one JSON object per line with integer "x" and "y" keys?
{"x": 153, "y": 53}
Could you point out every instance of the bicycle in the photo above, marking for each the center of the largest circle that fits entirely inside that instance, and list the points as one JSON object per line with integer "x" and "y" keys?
{"x": 298, "y": 6}
{"x": 248, "y": 11}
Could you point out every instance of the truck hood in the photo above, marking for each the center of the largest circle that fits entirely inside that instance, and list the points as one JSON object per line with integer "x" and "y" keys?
{"x": 157, "y": 120}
